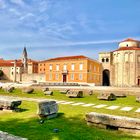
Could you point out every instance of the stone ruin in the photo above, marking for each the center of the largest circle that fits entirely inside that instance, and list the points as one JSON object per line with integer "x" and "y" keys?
{"x": 120, "y": 94}
{"x": 48, "y": 93}
{"x": 88, "y": 92}
{"x": 9, "y": 89}
{"x": 65, "y": 91}
{"x": 45, "y": 89}
{"x": 28, "y": 90}
{"x": 138, "y": 99}
{"x": 6, "y": 136}
{"x": 107, "y": 96}
{"x": 74, "y": 94}
{"x": 47, "y": 108}
{"x": 113, "y": 122}
{"x": 9, "y": 104}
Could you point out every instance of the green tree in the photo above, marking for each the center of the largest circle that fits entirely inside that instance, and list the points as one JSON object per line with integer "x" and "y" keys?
{"x": 1, "y": 73}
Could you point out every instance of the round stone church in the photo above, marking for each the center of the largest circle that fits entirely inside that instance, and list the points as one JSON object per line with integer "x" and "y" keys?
{"x": 122, "y": 66}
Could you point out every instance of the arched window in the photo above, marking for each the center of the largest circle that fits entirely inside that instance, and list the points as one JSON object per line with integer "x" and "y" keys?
{"x": 103, "y": 60}
{"x": 107, "y": 60}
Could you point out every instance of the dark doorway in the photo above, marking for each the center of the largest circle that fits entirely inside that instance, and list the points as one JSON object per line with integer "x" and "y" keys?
{"x": 64, "y": 78}
{"x": 106, "y": 78}
{"x": 138, "y": 82}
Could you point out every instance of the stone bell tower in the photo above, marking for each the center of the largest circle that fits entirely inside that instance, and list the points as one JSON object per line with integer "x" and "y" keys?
{"x": 24, "y": 60}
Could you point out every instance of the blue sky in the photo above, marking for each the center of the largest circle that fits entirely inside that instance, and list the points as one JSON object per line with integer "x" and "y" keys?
{"x": 53, "y": 28}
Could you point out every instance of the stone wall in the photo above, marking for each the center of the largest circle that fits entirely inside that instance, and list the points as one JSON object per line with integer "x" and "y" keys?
{"x": 30, "y": 77}
{"x": 125, "y": 68}
{"x": 106, "y": 65}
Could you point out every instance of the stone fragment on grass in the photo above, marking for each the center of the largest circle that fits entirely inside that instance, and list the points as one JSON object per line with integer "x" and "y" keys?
{"x": 119, "y": 94}
{"x": 47, "y": 108}
{"x": 9, "y": 89}
{"x": 88, "y": 92}
{"x": 113, "y": 122}
{"x": 28, "y": 90}
{"x": 74, "y": 94}
{"x": 64, "y": 91}
{"x": 48, "y": 93}
{"x": 138, "y": 99}
{"x": 9, "y": 104}
{"x": 107, "y": 96}
{"x": 45, "y": 89}
{"x": 6, "y": 136}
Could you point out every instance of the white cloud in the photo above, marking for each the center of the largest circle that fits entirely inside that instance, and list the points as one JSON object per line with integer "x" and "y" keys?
{"x": 44, "y": 5}
{"x": 84, "y": 43}
{"x": 18, "y": 2}
{"x": 14, "y": 11}
{"x": 28, "y": 15}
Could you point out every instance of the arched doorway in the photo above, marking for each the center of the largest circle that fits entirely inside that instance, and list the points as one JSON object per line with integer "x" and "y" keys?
{"x": 106, "y": 77}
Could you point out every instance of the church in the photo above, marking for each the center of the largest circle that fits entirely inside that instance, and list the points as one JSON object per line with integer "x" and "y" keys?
{"x": 121, "y": 67}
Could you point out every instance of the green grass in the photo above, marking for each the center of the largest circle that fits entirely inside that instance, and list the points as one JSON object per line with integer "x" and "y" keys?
{"x": 122, "y": 102}
{"x": 70, "y": 121}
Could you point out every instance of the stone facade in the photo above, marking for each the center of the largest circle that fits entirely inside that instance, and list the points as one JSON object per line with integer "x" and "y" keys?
{"x": 122, "y": 66}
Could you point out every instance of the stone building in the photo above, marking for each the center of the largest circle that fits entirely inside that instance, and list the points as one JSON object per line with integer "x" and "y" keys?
{"x": 32, "y": 66}
{"x": 80, "y": 69}
{"x": 14, "y": 69}
{"x": 29, "y": 66}
{"x": 10, "y": 70}
{"x": 121, "y": 67}
{"x": 42, "y": 67}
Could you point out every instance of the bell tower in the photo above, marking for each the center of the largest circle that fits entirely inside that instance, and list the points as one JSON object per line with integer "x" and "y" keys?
{"x": 24, "y": 60}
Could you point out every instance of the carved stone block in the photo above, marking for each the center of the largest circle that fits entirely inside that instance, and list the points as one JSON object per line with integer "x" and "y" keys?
{"x": 47, "y": 108}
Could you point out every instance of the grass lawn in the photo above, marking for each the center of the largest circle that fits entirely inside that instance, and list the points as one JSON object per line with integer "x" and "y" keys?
{"x": 70, "y": 120}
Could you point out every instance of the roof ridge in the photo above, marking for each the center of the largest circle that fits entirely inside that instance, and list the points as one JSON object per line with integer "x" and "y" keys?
{"x": 130, "y": 39}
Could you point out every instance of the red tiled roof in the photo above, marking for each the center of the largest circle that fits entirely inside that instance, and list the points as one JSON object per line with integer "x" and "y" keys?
{"x": 9, "y": 63}
{"x": 127, "y": 48}
{"x": 68, "y": 58}
{"x": 34, "y": 61}
{"x": 129, "y": 39}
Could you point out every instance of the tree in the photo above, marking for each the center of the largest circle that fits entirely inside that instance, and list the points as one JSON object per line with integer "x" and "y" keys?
{"x": 1, "y": 73}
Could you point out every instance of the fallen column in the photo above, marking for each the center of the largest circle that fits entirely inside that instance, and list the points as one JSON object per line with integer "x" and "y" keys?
{"x": 9, "y": 104}
{"x": 113, "y": 122}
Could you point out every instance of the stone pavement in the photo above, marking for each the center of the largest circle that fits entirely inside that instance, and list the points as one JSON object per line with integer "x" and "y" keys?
{"x": 97, "y": 106}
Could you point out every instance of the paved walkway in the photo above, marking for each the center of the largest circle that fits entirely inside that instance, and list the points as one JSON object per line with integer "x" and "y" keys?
{"x": 62, "y": 102}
